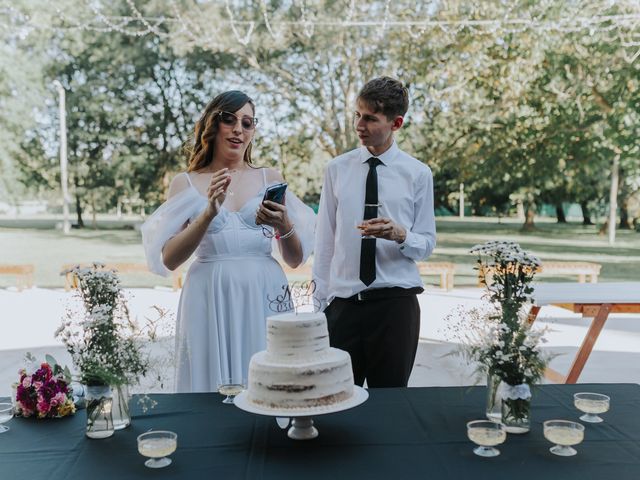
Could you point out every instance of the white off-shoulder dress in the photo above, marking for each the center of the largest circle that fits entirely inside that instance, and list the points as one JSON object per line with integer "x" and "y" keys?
{"x": 228, "y": 289}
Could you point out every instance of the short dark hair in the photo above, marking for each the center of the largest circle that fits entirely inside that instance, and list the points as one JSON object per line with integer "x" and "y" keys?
{"x": 386, "y": 95}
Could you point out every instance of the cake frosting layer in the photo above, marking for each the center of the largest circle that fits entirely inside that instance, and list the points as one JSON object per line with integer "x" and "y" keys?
{"x": 323, "y": 379}
{"x": 299, "y": 369}
{"x": 294, "y": 336}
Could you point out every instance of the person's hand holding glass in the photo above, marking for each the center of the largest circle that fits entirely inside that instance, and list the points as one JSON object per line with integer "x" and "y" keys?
{"x": 381, "y": 226}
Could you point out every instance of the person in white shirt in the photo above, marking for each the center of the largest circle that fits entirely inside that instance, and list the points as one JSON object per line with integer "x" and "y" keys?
{"x": 376, "y": 219}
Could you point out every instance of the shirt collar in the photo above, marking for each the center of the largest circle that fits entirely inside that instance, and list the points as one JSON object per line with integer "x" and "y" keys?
{"x": 384, "y": 158}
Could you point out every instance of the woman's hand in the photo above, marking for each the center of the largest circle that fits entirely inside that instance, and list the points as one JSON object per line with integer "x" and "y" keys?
{"x": 217, "y": 191}
{"x": 274, "y": 215}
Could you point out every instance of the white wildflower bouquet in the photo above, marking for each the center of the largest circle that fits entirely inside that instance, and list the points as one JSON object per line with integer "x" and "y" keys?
{"x": 498, "y": 337}
{"x": 501, "y": 339}
{"x": 103, "y": 341}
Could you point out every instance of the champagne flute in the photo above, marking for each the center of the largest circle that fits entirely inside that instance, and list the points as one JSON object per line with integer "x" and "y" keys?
{"x": 486, "y": 434}
{"x": 157, "y": 446}
{"x": 231, "y": 387}
{"x": 360, "y": 223}
{"x": 564, "y": 434}
{"x": 6, "y": 414}
{"x": 591, "y": 404}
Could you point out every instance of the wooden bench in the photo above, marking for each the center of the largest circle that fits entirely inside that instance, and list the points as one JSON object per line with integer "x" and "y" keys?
{"x": 71, "y": 280}
{"x": 446, "y": 270}
{"x": 23, "y": 274}
{"x": 583, "y": 270}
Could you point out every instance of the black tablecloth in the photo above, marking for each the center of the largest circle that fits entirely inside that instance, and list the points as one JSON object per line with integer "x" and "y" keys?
{"x": 397, "y": 433}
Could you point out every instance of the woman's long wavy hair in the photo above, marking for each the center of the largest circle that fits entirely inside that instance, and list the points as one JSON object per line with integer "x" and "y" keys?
{"x": 201, "y": 152}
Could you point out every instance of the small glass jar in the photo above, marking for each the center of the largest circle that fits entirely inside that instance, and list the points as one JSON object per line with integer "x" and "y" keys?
{"x": 99, "y": 401}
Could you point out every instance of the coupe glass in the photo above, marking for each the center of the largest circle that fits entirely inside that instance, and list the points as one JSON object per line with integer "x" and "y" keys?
{"x": 157, "y": 446}
{"x": 564, "y": 434}
{"x": 231, "y": 387}
{"x": 6, "y": 414}
{"x": 591, "y": 404}
{"x": 487, "y": 435}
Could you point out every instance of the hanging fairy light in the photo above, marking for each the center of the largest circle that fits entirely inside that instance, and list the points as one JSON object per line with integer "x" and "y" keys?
{"x": 181, "y": 23}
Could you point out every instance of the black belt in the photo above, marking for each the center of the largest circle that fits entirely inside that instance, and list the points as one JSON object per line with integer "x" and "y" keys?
{"x": 382, "y": 293}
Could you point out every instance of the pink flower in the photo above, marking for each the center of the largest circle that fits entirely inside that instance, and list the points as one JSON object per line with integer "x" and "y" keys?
{"x": 58, "y": 399}
{"x": 26, "y": 412}
{"x": 43, "y": 407}
{"x": 26, "y": 382}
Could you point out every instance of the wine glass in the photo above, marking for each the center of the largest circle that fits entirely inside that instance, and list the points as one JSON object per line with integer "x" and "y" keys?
{"x": 564, "y": 434}
{"x": 6, "y": 414}
{"x": 591, "y": 404}
{"x": 157, "y": 445}
{"x": 486, "y": 434}
{"x": 231, "y": 387}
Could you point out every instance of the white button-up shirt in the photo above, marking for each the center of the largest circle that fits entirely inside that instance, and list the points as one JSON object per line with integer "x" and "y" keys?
{"x": 405, "y": 194}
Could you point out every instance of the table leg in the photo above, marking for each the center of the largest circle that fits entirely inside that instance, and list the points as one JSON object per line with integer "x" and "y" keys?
{"x": 533, "y": 314}
{"x": 588, "y": 343}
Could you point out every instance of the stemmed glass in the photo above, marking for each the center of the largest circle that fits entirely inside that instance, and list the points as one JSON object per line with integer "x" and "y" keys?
{"x": 591, "y": 404}
{"x": 564, "y": 434}
{"x": 231, "y": 387}
{"x": 486, "y": 434}
{"x": 360, "y": 223}
{"x": 157, "y": 446}
{"x": 6, "y": 414}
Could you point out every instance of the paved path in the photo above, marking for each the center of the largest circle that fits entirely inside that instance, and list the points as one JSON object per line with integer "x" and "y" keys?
{"x": 29, "y": 318}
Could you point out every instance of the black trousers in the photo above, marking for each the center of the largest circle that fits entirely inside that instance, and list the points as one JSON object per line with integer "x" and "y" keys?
{"x": 381, "y": 335}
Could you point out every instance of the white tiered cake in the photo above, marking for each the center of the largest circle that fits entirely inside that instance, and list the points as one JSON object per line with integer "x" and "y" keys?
{"x": 299, "y": 369}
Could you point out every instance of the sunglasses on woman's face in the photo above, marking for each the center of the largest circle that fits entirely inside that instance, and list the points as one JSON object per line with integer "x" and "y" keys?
{"x": 231, "y": 119}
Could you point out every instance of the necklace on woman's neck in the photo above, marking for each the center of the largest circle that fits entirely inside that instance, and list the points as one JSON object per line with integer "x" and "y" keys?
{"x": 231, "y": 192}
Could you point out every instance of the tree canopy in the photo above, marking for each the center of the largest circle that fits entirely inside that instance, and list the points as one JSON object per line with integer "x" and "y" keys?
{"x": 525, "y": 102}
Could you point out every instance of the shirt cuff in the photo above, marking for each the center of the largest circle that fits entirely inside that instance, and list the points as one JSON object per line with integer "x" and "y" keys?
{"x": 412, "y": 245}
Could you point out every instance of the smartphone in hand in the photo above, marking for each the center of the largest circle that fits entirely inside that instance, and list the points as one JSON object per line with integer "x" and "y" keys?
{"x": 275, "y": 193}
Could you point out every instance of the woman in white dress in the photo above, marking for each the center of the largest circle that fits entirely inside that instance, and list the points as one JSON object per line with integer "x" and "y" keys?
{"x": 215, "y": 210}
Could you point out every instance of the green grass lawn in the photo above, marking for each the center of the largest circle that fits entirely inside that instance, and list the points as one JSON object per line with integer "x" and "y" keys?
{"x": 550, "y": 241}
{"x": 37, "y": 243}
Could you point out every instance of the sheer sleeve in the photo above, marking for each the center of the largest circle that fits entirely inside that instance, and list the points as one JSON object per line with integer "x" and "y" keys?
{"x": 165, "y": 223}
{"x": 304, "y": 219}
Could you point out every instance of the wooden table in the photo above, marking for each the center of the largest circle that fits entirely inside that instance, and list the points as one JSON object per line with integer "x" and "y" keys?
{"x": 596, "y": 301}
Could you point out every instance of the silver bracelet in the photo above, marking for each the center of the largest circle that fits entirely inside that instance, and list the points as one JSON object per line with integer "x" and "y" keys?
{"x": 288, "y": 234}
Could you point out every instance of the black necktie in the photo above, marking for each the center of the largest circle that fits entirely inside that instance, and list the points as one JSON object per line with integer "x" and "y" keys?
{"x": 368, "y": 246}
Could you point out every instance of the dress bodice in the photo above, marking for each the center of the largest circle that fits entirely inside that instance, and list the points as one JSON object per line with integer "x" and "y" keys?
{"x": 234, "y": 233}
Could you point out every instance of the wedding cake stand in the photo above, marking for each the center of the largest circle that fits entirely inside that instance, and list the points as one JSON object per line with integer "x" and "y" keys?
{"x": 302, "y": 424}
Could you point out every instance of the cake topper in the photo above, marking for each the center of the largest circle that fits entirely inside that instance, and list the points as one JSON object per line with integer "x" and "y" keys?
{"x": 295, "y": 296}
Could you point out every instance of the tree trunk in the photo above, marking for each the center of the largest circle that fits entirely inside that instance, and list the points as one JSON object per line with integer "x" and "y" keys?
{"x": 586, "y": 216}
{"x": 624, "y": 214}
{"x": 560, "y": 213}
{"x": 529, "y": 216}
{"x": 94, "y": 220}
{"x": 80, "y": 223}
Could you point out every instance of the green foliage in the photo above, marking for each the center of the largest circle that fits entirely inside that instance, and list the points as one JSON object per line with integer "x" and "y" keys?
{"x": 518, "y": 114}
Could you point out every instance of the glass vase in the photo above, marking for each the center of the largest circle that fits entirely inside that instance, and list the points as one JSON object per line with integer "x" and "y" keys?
{"x": 120, "y": 407}
{"x": 516, "y": 414}
{"x": 494, "y": 399}
{"x": 99, "y": 406}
